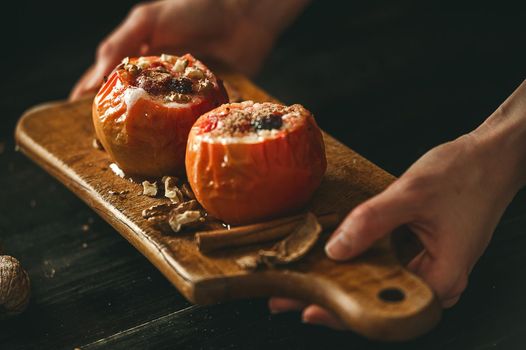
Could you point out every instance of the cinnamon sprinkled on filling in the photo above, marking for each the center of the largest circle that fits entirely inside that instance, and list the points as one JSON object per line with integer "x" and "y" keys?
{"x": 253, "y": 118}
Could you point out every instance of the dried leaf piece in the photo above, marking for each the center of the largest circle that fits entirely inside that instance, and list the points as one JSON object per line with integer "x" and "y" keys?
{"x": 178, "y": 221}
{"x": 187, "y": 191}
{"x": 149, "y": 188}
{"x": 14, "y": 287}
{"x": 171, "y": 190}
{"x": 294, "y": 246}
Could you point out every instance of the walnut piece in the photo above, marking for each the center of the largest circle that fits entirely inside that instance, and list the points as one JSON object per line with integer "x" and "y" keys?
{"x": 171, "y": 190}
{"x": 178, "y": 221}
{"x": 185, "y": 206}
{"x": 142, "y": 62}
{"x": 157, "y": 210}
{"x": 194, "y": 73}
{"x": 180, "y": 65}
{"x": 15, "y": 287}
{"x": 174, "y": 217}
{"x": 187, "y": 191}
{"x": 168, "y": 58}
{"x": 149, "y": 188}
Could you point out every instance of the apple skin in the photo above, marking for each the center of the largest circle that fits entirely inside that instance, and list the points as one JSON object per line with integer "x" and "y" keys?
{"x": 241, "y": 183}
{"x": 149, "y": 138}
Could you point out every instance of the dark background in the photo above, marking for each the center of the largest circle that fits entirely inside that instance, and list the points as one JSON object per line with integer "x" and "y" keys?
{"x": 390, "y": 79}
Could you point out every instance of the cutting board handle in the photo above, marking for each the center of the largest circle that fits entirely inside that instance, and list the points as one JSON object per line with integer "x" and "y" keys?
{"x": 379, "y": 300}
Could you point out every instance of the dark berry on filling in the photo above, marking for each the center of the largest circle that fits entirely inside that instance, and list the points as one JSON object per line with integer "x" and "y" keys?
{"x": 268, "y": 122}
{"x": 158, "y": 81}
{"x": 181, "y": 85}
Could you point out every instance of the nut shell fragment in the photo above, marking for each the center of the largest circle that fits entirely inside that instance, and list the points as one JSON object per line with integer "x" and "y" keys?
{"x": 15, "y": 287}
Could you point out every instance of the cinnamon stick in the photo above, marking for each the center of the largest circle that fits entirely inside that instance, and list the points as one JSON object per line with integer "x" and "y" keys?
{"x": 208, "y": 241}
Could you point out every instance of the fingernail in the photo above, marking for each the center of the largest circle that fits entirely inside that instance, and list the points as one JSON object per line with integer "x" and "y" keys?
{"x": 339, "y": 247}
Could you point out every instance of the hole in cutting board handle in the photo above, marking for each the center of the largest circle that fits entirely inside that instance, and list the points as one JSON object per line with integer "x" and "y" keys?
{"x": 391, "y": 295}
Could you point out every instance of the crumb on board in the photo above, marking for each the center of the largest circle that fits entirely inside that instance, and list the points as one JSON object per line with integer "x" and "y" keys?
{"x": 122, "y": 193}
{"x": 249, "y": 262}
{"x": 116, "y": 170}
{"x": 96, "y": 144}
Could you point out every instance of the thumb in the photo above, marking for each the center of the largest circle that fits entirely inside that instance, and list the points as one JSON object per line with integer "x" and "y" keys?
{"x": 370, "y": 221}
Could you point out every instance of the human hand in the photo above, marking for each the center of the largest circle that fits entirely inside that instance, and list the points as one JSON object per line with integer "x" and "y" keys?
{"x": 451, "y": 199}
{"x": 239, "y": 33}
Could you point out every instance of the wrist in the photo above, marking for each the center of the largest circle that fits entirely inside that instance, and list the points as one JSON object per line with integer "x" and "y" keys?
{"x": 502, "y": 138}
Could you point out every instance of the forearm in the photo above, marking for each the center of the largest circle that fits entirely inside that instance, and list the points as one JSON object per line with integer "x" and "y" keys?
{"x": 254, "y": 28}
{"x": 504, "y": 134}
{"x": 278, "y": 14}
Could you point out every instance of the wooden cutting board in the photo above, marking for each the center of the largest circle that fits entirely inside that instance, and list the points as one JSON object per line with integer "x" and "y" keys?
{"x": 373, "y": 295}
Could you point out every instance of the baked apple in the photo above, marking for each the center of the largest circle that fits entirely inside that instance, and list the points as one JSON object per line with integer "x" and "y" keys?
{"x": 145, "y": 109}
{"x": 252, "y": 161}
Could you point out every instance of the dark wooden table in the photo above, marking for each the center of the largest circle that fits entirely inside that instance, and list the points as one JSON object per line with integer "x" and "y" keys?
{"x": 410, "y": 75}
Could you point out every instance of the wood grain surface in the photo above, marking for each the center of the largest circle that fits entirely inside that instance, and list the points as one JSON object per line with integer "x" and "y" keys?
{"x": 373, "y": 294}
